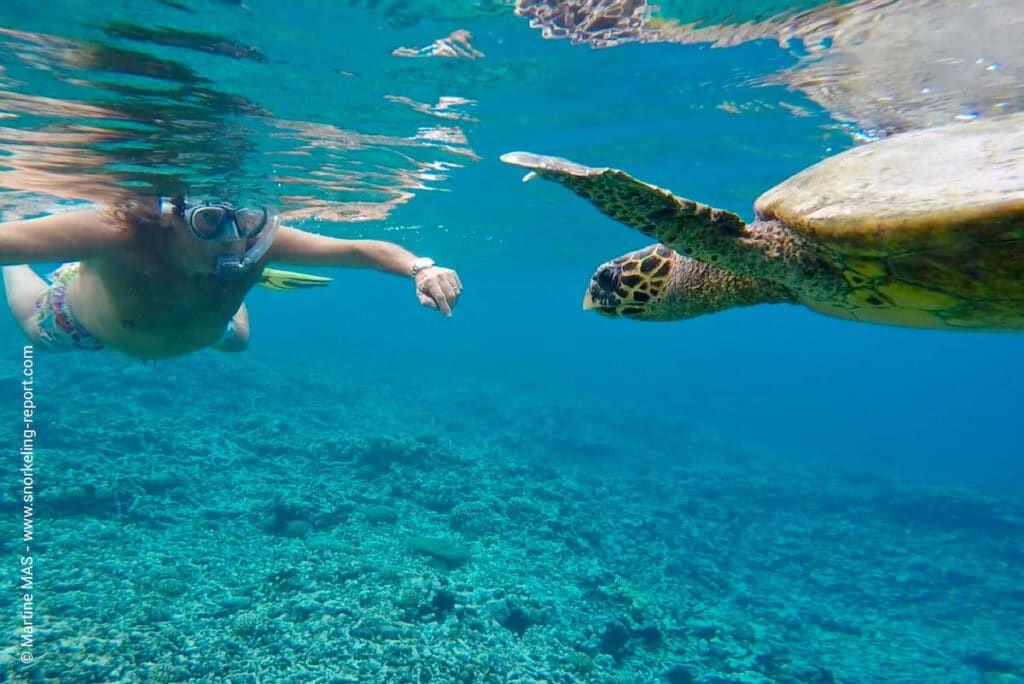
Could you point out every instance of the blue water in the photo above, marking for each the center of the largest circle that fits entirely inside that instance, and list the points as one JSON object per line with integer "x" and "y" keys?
{"x": 889, "y": 460}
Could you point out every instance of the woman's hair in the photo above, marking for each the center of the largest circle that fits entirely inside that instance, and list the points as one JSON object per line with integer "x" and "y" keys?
{"x": 141, "y": 214}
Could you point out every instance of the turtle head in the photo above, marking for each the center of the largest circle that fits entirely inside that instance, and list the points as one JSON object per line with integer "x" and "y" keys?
{"x": 659, "y": 284}
{"x": 633, "y": 286}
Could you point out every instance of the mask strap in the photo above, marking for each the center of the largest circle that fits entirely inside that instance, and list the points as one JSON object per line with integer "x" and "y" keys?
{"x": 170, "y": 207}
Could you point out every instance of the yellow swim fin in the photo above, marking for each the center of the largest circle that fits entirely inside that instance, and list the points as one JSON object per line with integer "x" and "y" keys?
{"x": 276, "y": 279}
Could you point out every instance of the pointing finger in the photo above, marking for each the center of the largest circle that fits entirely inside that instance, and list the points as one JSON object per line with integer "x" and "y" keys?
{"x": 451, "y": 293}
{"x": 439, "y": 296}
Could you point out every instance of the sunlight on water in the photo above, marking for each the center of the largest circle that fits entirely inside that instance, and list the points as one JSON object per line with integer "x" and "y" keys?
{"x": 130, "y": 106}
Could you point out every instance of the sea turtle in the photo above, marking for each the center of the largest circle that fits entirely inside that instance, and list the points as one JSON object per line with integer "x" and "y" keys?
{"x": 922, "y": 229}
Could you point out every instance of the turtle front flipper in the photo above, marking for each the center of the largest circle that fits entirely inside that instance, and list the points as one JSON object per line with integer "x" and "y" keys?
{"x": 688, "y": 227}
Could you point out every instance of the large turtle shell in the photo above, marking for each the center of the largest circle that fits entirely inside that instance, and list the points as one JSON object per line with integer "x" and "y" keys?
{"x": 926, "y": 227}
{"x": 915, "y": 189}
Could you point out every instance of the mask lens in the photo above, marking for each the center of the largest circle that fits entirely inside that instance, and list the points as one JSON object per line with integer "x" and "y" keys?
{"x": 250, "y": 221}
{"x": 206, "y": 221}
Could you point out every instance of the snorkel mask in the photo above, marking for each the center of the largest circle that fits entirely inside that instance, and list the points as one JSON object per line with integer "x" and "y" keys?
{"x": 220, "y": 222}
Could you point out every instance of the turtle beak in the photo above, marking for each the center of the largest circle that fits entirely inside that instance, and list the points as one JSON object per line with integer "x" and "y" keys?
{"x": 600, "y": 295}
{"x": 591, "y": 304}
{"x": 603, "y": 284}
{"x": 596, "y": 297}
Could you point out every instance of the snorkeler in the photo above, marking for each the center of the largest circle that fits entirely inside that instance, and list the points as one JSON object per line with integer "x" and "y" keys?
{"x": 156, "y": 278}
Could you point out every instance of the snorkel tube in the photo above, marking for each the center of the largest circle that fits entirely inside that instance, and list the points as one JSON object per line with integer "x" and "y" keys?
{"x": 234, "y": 267}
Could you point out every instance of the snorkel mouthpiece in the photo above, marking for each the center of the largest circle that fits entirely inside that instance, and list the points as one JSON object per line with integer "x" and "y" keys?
{"x": 232, "y": 267}
{"x": 219, "y": 222}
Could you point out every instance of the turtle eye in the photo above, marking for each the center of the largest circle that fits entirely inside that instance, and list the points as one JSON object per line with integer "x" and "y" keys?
{"x": 608, "y": 277}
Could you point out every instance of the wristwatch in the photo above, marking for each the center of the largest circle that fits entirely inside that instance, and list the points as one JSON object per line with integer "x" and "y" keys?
{"x": 421, "y": 264}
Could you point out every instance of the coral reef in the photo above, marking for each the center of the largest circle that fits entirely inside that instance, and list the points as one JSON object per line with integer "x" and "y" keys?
{"x": 276, "y": 547}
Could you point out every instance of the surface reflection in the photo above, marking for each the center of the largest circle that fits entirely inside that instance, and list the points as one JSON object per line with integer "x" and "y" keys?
{"x": 884, "y": 65}
{"x": 157, "y": 109}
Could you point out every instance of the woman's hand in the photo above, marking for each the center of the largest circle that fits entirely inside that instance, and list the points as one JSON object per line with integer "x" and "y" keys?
{"x": 439, "y": 288}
